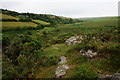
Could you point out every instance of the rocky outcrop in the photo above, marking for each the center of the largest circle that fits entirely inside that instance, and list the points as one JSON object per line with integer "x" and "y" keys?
{"x": 88, "y": 53}
{"x": 61, "y": 70}
{"x": 115, "y": 76}
{"x": 63, "y": 60}
{"x": 105, "y": 77}
{"x": 74, "y": 40}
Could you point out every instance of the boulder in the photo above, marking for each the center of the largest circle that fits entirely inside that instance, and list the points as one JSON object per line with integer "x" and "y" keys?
{"x": 88, "y": 53}
{"x": 61, "y": 70}
{"x": 74, "y": 40}
{"x": 63, "y": 60}
{"x": 115, "y": 76}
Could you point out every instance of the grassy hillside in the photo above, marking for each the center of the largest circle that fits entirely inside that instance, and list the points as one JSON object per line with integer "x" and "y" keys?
{"x": 18, "y": 24}
{"x": 98, "y": 18}
{"x": 13, "y": 20}
{"x": 44, "y": 17}
{"x": 35, "y": 53}
{"x": 41, "y": 22}
{"x": 106, "y": 63}
{"x": 4, "y": 16}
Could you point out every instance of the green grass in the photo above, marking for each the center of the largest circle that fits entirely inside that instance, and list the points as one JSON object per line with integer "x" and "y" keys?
{"x": 4, "y": 16}
{"x": 41, "y": 22}
{"x": 47, "y": 72}
{"x": 56, "y": 50}
{"x": 81, "y": 28}
{"x": 18, "y": 24}
{"x": 102, "y": 64}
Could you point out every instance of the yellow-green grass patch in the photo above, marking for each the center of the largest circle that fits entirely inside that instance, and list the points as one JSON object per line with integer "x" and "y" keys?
{"x": 18, "y": 24}
{"x": 41, "y": 22}
{"x": 4, "y": 16}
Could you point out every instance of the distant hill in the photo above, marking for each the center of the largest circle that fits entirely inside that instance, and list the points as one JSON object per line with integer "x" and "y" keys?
{"x": 97, "y": 18}
{"x": 43, "y": 17}
{"x": 13, "y": 20}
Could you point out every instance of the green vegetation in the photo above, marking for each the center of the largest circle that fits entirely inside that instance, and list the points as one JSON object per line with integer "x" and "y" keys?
{"x": 4, "y": 16}
{"x": 18, "y": 24}
{"x": 25, "y": 19}
{"x": 41, "y": 22}
{"x": 34, "y": 52}
{"x": 83, "y": 72}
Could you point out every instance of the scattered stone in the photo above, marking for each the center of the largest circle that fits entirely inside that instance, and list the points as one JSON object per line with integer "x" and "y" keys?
{"x": 115, "y": 76}
{"x": 105, "y": 77}
{"x": 74, "y": 40}
{"x": 89, "y": 53}
{"x": 94, "y": 37}
{"x": 61, "y": 70}
{"x": 63, "y": 60}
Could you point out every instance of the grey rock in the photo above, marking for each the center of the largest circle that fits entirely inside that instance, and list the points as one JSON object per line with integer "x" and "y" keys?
{"x": 63, "y": 60}
{"x": 116, "y": 76}
{"x": 89, "y": 53}
{"x": 74, "y": 40}
{"x": 61, "y": 70}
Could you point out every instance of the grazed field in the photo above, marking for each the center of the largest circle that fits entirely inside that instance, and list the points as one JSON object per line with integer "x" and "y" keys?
{"x": 18, "y": 24}
{"x": 4, "y": 16}
{"x": 41, "y": 22}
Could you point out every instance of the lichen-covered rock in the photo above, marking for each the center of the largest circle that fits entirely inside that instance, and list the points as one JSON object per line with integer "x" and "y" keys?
{"x": 74, "y": 40}
{"x": 63, "y": 60}
{"x": 61, "y": 70}
{"x": 115, "y": 76}
{"x": 105, "y": 77}
{"x": 89, "y": 53}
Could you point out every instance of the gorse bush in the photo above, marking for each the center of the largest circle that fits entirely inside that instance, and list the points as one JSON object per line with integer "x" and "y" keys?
{"x": 23, "y": 56}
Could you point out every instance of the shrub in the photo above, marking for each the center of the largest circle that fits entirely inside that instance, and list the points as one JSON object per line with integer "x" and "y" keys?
{"x": 5, "y": 41}
{"x": 26, "y": 19}
{"x": 51, "y": 60}
{"x": 78, "y": 47}
{"x": 24, "y": 57}
{"x": 83, "y": 72}
{"x": 110, "y": 48}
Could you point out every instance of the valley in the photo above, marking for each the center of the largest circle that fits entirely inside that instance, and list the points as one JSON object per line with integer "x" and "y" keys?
{"x": 38, "y": 45}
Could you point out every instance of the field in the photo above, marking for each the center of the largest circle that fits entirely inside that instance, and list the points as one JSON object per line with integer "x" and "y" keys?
{"x": 18, "y": 24}
{"x": 4, "y": 16}
{"x": 41, "y": 22}
{"x": 36, "y": 52}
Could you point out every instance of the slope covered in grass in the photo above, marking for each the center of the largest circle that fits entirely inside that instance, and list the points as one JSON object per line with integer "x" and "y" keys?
{"x": 18, "y": 24}
{"x": 4, "y": 16}
{"x": 46, "y": 45}
{"x": 41, "y": 22}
